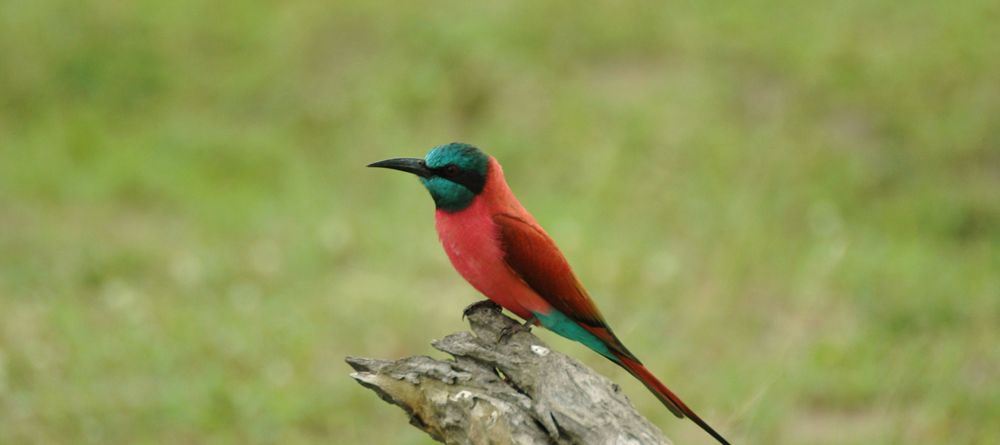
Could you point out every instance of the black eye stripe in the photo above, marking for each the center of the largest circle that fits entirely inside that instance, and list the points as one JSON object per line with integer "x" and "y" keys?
{"x": 471, "y": 179}
{"x": 447, "y": 171}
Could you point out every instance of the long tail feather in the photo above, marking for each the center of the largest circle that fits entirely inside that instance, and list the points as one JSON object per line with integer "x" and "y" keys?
{"x": 673, "y": 403}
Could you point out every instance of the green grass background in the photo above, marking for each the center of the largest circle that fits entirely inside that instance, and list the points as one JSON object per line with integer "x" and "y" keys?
{"x": 790, "y": 210}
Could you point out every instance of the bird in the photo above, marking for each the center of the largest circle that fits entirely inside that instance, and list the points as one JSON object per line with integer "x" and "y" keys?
{"x": 502, "y": 251}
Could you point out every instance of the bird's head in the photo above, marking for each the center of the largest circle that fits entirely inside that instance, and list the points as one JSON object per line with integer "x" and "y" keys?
{"x": 453, "y": 173}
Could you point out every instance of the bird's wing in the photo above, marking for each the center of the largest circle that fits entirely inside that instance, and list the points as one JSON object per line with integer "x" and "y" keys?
{"x": 533, "y": 256}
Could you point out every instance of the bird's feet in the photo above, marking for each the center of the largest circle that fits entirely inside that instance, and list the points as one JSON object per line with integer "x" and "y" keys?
{"x": 480, "y": 304}
{"x": 508, "y": 331}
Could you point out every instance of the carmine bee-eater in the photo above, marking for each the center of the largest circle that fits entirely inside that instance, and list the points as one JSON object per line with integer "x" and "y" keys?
{"x": 499, "y": 248}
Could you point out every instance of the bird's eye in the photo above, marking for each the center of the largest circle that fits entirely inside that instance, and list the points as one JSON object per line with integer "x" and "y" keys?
{"x": 450, "y": 170}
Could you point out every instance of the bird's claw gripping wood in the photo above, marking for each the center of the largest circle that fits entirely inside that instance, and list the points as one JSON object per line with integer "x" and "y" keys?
{"x": 483, "y": 304}
{"x": 508, "y": 331}
{"x": 544, "y": 397}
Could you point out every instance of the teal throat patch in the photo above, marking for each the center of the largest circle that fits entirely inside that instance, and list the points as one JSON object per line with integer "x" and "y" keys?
{"x": 458, "y": 174}
{"x": 448, "y": 195}
{"x": 559, "y": 323}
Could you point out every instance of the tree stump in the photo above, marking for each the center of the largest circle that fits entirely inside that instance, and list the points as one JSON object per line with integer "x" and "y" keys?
{"x": 503, "y": 389}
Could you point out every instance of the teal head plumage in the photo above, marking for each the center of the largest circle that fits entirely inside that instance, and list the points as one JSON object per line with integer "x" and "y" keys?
{"x": 461, "y": 175}
{"x": 454, "y": 173}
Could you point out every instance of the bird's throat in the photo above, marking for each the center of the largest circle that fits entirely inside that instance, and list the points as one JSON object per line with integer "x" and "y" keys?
{"x": 448, "y": 196}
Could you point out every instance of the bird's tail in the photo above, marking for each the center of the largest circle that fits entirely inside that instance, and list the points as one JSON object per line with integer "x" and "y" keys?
{"x": 665, "y": 395}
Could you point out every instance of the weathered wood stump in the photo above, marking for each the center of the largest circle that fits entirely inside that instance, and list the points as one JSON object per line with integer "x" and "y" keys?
{"x": 505, "y": 389}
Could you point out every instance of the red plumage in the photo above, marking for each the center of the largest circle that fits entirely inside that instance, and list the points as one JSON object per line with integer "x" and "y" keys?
{"x": 499, "y": 248}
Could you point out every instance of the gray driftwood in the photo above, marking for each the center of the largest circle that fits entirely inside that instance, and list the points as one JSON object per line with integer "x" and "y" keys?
{"x": 511, "y": 390}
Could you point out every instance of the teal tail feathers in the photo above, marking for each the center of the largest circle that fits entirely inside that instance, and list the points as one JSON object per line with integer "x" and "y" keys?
{"x": 602, "y": 340}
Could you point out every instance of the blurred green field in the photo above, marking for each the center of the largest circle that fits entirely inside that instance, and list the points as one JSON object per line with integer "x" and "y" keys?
{"x": 789, "y": 210}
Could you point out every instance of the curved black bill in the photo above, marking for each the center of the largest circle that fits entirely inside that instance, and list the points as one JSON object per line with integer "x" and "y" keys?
{"x": 412, "y": 165}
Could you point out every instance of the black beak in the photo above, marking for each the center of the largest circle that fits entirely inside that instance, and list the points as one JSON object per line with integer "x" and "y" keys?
{"x": 412, "y": 165}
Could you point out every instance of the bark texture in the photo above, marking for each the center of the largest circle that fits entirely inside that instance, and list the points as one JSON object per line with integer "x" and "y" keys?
{"x": 502, "y": 389}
